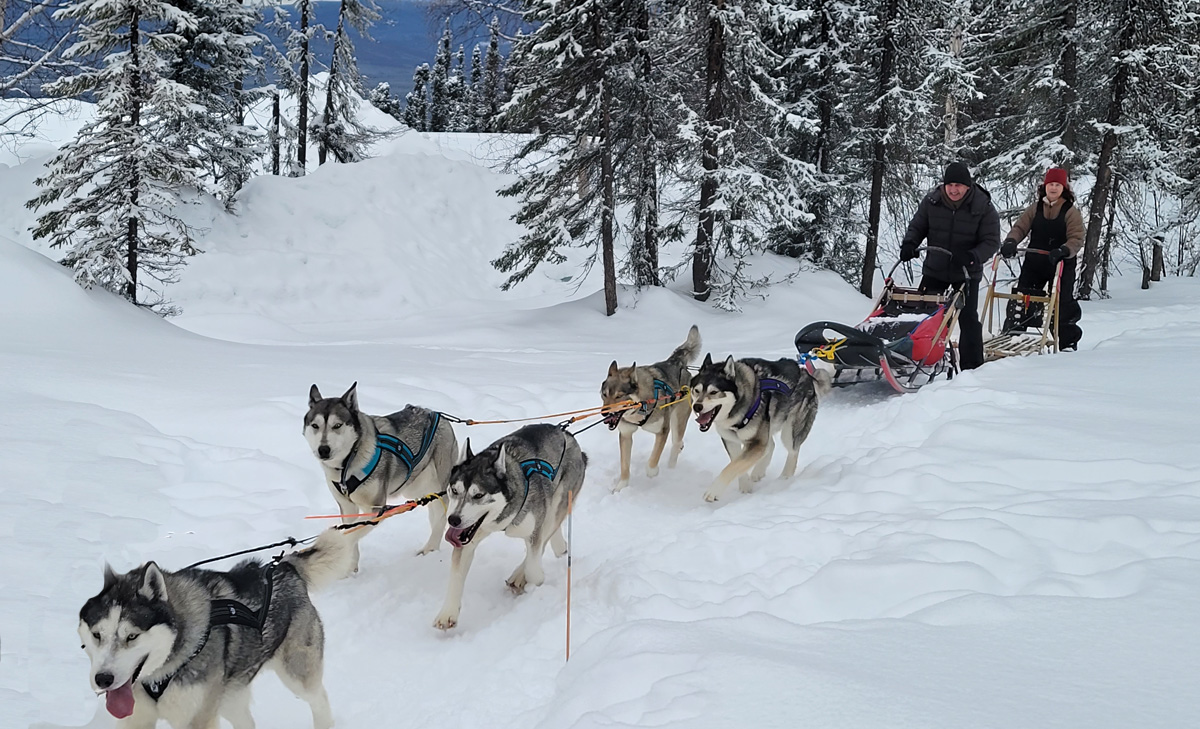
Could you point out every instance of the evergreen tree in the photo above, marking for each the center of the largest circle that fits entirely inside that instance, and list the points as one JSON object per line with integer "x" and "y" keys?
{"x": 416, "y": 102}
{"x": 568, "y": 201}
{"x": 117, "y": 185}
{"x": 493, "y": 84}
{"x": 440, "y": 104}
{"x": 459, "y": 95}
{"x": 478, "y": 105}
{"x": 338, "y": 130}
{"x": 214, "y": 60}
{"x": 382, "y": 99}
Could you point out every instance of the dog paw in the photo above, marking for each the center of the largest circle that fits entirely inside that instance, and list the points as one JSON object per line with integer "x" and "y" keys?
{"x": 429, "y": 549}
{"x": 516, "y": 584}
{"x": 756, "y": 477}
{"x": 711, "y": 495}
{"x": 747, "y": 486}
{"x": 446, "y": 620}
{"x": 620, "y": 485}
{"x": 651, "y": 471}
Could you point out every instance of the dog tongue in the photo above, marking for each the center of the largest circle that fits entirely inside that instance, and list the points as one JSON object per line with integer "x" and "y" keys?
{"x": 705, "y": 419}
{"x": 120, "y": 701}
{"x": 453, "y": 534}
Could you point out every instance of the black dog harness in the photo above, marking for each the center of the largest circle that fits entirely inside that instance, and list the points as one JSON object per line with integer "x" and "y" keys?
{"x": 387, "y": 444}
{"x": 222, "y": 612}
{"x": 766, "y": 386}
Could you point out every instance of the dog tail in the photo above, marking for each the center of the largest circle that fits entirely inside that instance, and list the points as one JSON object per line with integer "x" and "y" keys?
{"x": 331, "y": 558}
{"x": 687, "y": 352}
{"x": 822, "y": 381}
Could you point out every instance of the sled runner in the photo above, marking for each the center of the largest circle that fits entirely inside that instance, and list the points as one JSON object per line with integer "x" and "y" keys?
{"x": 905, "y": 340}
{"x": 1022, "y": 326}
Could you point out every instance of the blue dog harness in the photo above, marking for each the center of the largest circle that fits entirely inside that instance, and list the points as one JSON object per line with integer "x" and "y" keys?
{"x": 765, "y": 385}
{"x": 388, "y": 444}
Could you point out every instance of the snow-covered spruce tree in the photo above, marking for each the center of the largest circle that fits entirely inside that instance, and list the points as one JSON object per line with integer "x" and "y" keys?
{"x": 111, "y": 193}
{"x": 1148, "y": 56}
{"x": 747, "y": 182}
{"x": 478, "y": 106}
{"x": 338, "y": 130}
{"x": 493, "y": 85}
{"x": 1030, "y": 114}
{"x": 441, "y": 110}
{"x": 459, "y": 94}
{"x": 566, "y": 182}
{"x": 818, "y": 55}
{"x": 215, "y": 60}
{"x": 891, "y": 112}
{"x": 383, "y": 99}
{"x": 297, "y": 80}
{"x": 416, "y": 102}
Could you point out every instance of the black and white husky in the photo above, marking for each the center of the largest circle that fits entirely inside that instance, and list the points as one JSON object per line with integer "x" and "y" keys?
{"x": 184, "y": 646}
{"x": 369, "y": 459}
{"x": 749, "y": 401}
{"x": 646, "y": 384}
{"x": 518, "y": 485}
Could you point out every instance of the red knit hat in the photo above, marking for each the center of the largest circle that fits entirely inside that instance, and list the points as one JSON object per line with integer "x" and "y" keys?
{"x": 1056, "y": 174}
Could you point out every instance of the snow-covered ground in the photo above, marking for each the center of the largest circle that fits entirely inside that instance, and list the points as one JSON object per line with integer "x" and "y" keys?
{"x": 1019, "y": 547}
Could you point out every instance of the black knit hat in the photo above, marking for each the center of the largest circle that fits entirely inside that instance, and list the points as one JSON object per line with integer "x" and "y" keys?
{"x": 957, "y": 172}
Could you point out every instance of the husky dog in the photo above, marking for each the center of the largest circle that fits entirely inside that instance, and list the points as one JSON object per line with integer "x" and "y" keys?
{"x": 646, "y": 384}
{"x": 184, "y": 646}
{"x": 369, "y": 459}
{"x": 750, "y": 400}
{"x": 518, "y": 485}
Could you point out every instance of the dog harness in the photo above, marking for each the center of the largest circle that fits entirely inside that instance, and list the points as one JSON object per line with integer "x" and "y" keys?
{"x": 222, "y": 612}
{"x": 388, "y": 444}
{"x": 766, "y": 386}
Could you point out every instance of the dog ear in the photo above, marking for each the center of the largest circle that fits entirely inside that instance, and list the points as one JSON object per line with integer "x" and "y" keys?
{"x": 612, "y": 368}
{"x": 467, "y": 454}
{"x": 154, "y": 585}
{"x": 501, "y": 467}
{"x": 731, "y": 367}
{"x": 314, "y": 395}
{"x": 110, "y": 577}
{"x": 351, "y": 398}
{"x": 707, "y": 359}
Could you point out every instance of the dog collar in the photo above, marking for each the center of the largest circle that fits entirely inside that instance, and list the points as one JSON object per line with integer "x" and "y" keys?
{"x": 766, "y": 385}
{"x": 387, "y": 444}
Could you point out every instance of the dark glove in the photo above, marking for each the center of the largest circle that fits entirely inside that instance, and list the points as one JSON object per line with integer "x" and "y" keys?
{"x": 908, "y": 251}
{"x": 1059, "y": 254}
{"x": 1009, "y": 249}
{"x": 962, "y": 259}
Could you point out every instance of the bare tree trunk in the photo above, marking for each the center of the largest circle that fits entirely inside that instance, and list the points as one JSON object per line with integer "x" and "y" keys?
{"x": 607, "y": 183}
{"x": 1156, "y": 265}
{"x": 302, "y": 122}
{"x": 1109, "y": 234}
{"x": 648, "y": 270}
{"x": 714, "y": 113}
{"x": 879, "y": 160}
{"x": 1069, "y": 61}
{"x": 1099, "y": 201}
{"x": 951, "y": 118}
{"x": 274, "y": 133}
{"x": 135, "y": 116}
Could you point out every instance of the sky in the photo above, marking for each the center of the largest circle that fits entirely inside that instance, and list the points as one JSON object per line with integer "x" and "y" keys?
{"x": 1017, "y": 547}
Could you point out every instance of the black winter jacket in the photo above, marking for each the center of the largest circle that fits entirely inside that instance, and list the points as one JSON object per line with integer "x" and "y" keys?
{"x": 974, "y": 227}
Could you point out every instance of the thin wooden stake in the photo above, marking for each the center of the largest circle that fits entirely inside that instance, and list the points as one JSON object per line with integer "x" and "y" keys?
{"x": 570, "y": 554}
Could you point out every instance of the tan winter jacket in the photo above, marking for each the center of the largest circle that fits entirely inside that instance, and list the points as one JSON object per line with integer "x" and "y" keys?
{"x": 1075, "y": 231}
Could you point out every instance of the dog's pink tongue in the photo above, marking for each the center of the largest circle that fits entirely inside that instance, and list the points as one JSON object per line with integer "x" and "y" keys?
{"x": 120, "y": 701}
{"x": 453, "y": 535}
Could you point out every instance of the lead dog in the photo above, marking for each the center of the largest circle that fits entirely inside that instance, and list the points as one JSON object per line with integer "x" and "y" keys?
{"x": 647, "y": 384}
{"x": 518, "y": 485}
{"x": 750, "y": 401}
{"x": 369, "y": 459}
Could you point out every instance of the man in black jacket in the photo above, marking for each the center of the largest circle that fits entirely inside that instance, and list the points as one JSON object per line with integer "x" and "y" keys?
{"x": 962, "y": 229}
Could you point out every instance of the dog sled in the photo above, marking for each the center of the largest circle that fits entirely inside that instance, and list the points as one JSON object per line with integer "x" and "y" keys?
{"x": 1023, "y": 326}
{"x": 905, "y": 340}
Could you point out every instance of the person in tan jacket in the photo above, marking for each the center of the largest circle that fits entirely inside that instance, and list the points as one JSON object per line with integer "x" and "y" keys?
{"x": 1054, "y": 225}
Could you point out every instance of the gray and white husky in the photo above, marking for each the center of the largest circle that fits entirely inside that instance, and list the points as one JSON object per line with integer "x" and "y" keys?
{"x": 645, "y": 384}
{"x": 369, "y": 459}
{"x": 184, "y": 646}
{"x": 518, "y": 485}
{"x": 749, "y": 401}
